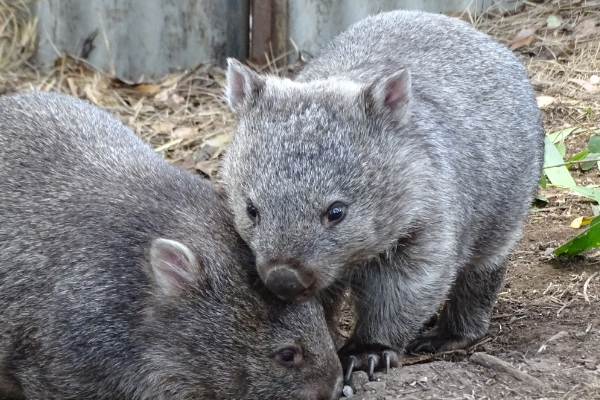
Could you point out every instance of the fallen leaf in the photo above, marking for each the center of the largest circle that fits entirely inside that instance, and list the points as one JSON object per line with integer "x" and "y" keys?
{"x": 523, "y": 38}
{"x": 162, "y": 96}
{"x": 219, "y": 141}
{"x": 177, "y": 99}
{"x": 545, "y": 101}
{"x": 187, "y": 163}
{"x": 576, "y": 223}
{"x": 207, "y": 167}
{"x": 585, "y": 28}
{"x": 147, "y": 89}
{"x": 163, "y": 127}
{"x": 590, "y": 88}
{"x": 185, "y": 132}
{"x": 587, "y": 220}
{"x": 554, "y": 21}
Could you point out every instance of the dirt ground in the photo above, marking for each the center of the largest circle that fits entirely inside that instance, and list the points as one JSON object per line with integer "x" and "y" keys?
{"x": 543, "y": 324}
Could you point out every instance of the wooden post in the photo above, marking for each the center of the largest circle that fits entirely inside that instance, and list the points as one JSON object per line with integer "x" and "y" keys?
{"x": 279, "y": 32}
{"x": 238, "y": 29}
{"x": 269, "y": 32}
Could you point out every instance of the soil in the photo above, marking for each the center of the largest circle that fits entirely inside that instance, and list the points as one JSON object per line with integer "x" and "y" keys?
{"x": 542, "y": 324}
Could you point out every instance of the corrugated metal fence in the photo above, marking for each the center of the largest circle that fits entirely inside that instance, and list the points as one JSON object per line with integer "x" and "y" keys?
{"x": 139, "y": 40}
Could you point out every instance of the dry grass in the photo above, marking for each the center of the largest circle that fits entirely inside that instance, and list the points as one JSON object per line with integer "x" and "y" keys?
{"x": 17, "y": 34}
{"x": 554, "y": 55}
{"x": 184, "y": 117}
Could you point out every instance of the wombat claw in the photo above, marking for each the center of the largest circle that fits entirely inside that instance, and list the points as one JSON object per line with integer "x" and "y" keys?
{"x": 353, "y": 361}
{"x": 368, "y": 361}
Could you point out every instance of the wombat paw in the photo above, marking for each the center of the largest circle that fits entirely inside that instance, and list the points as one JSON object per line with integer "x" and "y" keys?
{"x": 436, "y": 341}
{"x": 371, "y": 357}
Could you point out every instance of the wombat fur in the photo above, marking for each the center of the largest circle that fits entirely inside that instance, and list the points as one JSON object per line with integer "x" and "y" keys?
{"x": 122, "y": 277}
{"x": 401, "y": 162}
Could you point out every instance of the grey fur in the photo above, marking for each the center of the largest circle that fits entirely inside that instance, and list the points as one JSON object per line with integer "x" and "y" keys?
{"x": 429, "y": 131}
{"x": 122, "y": 277}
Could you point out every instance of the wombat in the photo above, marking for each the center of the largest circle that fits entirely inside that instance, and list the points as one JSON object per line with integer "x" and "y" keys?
{"x": 400, "y": 162}
{"x": 122, "y": 277}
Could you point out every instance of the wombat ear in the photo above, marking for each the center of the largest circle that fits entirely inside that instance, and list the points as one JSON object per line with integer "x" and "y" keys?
{"x": 172, "y": 264}
{"x": 393, "y": 93}
{"x": 243, "y": 85}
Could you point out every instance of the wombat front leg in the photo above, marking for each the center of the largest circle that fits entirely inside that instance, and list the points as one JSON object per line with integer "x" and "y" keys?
{"x": 394, "y": 297}
{"x": 465, "y": 317}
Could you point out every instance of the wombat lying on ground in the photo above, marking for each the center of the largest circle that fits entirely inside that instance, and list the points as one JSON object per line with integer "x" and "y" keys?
{"x": 401, "y": 161}
{"x": 122, "y": 277}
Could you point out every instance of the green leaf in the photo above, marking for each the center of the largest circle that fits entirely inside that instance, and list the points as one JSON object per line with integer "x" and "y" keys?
{"x": 557, "y": 175}
{"x": 590, "y": 193}
{"x": 589, "y": 165}
{"x": 560, "y": 146}
{"x": 543, "y": 180}
{"x": 579, "y": 156}
{"x": 561, "y": 135}
{"x": 540, "y": 201}
{"x": 594, "y": 144}
{"x": 588, "y": 239}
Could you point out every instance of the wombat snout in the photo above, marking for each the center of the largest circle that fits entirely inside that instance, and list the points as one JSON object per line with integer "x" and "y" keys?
{"x": 288, "y": 281}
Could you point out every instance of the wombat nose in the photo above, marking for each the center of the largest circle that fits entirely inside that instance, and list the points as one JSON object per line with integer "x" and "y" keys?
{"x": 288, "y": 284}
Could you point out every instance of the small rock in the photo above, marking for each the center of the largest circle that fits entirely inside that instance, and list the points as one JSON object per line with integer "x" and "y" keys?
{"x": 358, "y": 379}
{"x": 376, "y": 386}
{"x": 347, "y": 391}
{"x": 205, "y": 153}
{"x": 590, "y": 365}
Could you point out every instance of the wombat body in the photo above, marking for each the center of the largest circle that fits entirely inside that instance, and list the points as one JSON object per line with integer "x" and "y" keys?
{"x": 402, "y": 162}
{"x": 122, "y": 277}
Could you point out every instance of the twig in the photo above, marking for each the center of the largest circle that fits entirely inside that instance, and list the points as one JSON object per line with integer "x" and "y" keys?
{"x": 585, "y": 286}
{"x": 564, "y": 306}
{"x": 573, "y": 162}
{"x": 497, "y": 364}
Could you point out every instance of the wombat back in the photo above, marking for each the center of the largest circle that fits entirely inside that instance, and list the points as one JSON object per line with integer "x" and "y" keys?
{"x": 401, "y": 161}
{"x": 121, "y": 277}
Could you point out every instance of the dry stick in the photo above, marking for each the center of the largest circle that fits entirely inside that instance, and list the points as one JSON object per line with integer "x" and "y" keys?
{"x": 585, "y": 286}
{"x": 497, "y": 364}
{"x": 573, "y": 162}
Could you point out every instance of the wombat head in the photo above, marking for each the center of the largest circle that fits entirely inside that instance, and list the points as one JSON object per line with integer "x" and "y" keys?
{"x": 221, "y": 327}
{"x": 314, "y": 176}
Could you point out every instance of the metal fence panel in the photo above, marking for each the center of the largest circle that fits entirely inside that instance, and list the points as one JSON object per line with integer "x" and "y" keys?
{"x": 313, "y": 23}
{"x": 135, "y": 39}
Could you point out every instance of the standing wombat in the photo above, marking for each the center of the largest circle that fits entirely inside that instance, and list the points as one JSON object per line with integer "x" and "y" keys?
{"x": 122, "y": 277}
{"x": 402, "y": 161}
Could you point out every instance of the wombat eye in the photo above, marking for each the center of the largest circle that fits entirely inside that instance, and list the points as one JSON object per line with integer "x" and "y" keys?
{"x": 252, "y": 212}
{"x": 335, "y": 214}
{"x": 288, "y": 357}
